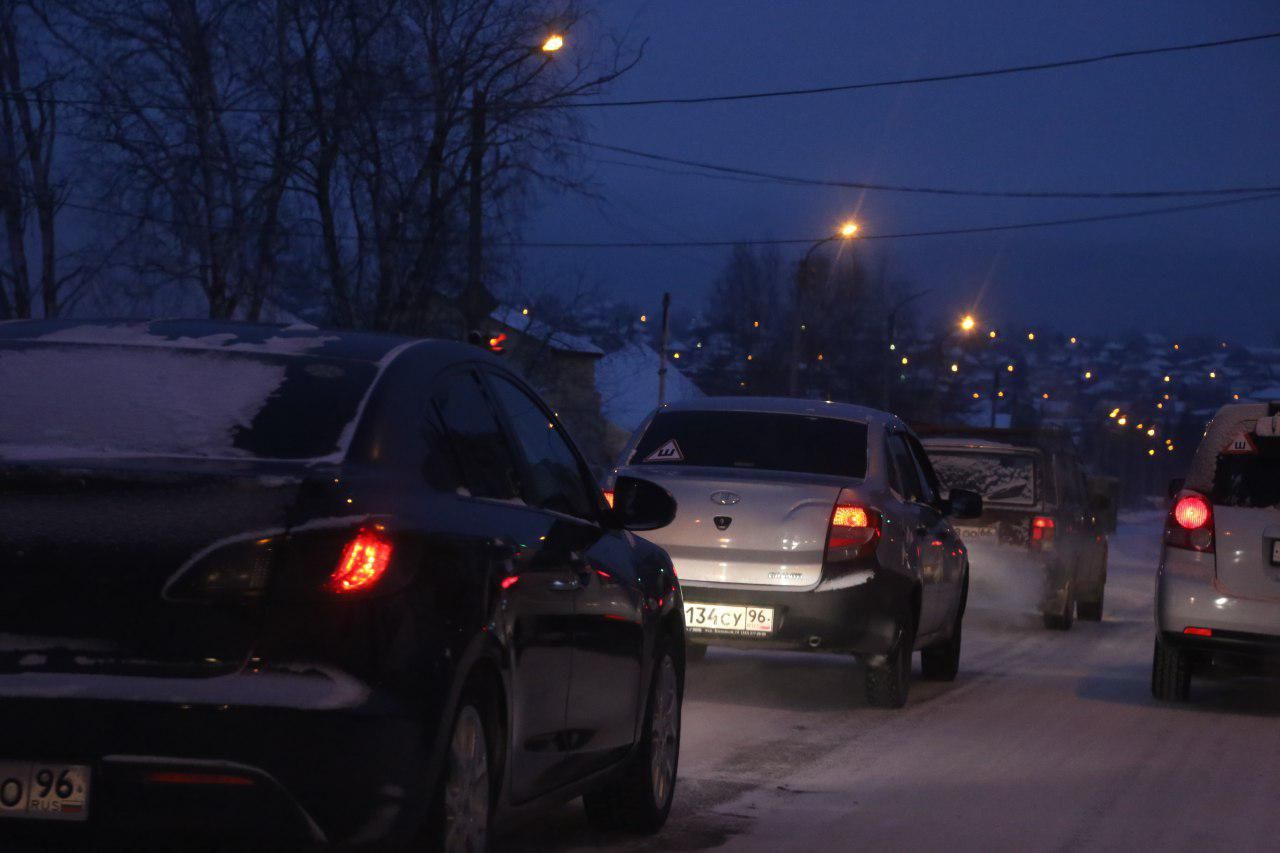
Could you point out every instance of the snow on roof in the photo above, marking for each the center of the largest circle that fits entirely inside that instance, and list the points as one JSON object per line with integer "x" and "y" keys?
{"x": 514, "y": 318}
{"x": 628, "y": 384}
{"x": 300, "y": 338}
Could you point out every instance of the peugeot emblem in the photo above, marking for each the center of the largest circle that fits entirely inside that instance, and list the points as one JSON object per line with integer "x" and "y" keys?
{"x": 725, "y": 498}
{"x": 723, "y": 522}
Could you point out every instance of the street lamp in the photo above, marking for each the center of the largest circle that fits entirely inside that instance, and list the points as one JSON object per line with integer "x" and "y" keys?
{"x": 967, "y": 323}
{"x": 476, "y": 303}
{"x": 847, "y": 231}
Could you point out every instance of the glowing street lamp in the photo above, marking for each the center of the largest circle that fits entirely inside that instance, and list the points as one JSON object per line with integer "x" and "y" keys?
{"x": 554, "y": 42}
{"x": 967, "y": 323}
{"x": 847, "y": 231}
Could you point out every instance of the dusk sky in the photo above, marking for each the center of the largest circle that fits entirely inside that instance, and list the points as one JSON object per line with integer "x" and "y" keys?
{"x": 1181, "y": 121}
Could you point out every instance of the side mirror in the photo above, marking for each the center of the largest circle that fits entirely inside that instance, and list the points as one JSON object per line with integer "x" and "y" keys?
{"x": 642, "y": 505}
{"x": 1175, "y": 486}
{"x": 962, "y": 503}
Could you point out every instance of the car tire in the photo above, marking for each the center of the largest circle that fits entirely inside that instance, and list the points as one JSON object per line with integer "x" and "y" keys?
{"x": 888, "y": 683}
{"x": 1091, "y": 611}
{"x": 639, "y": 798}
{"x": 1170, "y": 674}
{"x": 942, "y": 663}
{"x": 695, "y": 652}
{"x": 1064, "y": 620}
{"x": 462, "y": 808}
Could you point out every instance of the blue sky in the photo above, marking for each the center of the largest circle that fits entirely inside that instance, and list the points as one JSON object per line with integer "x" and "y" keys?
{"x": 1185, "y": 120}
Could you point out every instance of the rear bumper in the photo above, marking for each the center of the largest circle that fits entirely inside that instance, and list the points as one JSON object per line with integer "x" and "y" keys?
{"x": 1231, "y": 643}
{"x": 1188, "y": 595}
{"x": 305, "y": 775}
{"x": 858, "y": 618}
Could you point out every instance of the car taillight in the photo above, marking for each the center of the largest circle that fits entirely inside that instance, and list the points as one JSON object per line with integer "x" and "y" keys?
{"x": 363, "y": 562}
{"x": 854, "y": 531}
{"x": 1190, "y": 523}
{"x": 1043, "y": 529}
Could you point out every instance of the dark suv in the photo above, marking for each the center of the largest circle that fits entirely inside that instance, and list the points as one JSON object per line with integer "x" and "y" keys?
{"x": 1038, "y": 523}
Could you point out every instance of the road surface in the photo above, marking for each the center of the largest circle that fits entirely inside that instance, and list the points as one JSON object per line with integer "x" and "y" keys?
{"x": 1046, "y": 741}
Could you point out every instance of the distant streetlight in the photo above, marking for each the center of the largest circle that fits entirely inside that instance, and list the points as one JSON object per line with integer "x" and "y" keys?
{"x": 967, "y": 323}
{"x": 554, "y": 42}
{"x": 847, "y": 231}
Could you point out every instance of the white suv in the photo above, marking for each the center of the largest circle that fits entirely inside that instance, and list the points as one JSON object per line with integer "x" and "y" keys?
{"x": 1218, "y": 588}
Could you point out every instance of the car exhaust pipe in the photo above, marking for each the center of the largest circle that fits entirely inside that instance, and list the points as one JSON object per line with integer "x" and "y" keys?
{"x": 814, "y": 642}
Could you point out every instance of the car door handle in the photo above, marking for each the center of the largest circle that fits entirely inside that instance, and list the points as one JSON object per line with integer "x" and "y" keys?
{"x": 565, "y": 584}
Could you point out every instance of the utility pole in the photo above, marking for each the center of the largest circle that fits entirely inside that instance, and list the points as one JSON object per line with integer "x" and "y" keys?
{"x": 797, "y": 325}
{"x": 474, "y": 297}
{"x": 662, "y": 351}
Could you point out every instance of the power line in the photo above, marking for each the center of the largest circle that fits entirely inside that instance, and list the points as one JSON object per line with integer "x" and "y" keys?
{"x": 421, "y": 104}
{"x": 942, "y": 232}
{"x": 757, "y": 175}
{"x": 788, "y": 241}
{"x": 934, "y": 78}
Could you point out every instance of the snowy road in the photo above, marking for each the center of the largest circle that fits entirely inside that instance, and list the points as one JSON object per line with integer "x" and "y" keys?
{"x": 1047, "y": 741}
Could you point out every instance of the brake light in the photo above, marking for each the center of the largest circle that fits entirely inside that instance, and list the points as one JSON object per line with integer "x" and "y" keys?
{"x": 608, "y": 496}
{"x": 1190, "y": 523}
{"x": 364, "y": 560}
{"x": 854, "y": 532}
{"x": 173, "y": 777}
{"x": 1198, "y": 632}
{"x": 1043, "y": 529}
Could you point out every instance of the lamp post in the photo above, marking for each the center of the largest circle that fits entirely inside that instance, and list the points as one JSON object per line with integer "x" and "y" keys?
{"x": 847, "y": 231}
{"x": 890, "y": 344}
{"x": 475, "y": 300}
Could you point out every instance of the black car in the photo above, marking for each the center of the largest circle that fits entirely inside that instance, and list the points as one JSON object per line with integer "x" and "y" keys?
{"x": 1041, "y": 519}
{"x": 315, "y": 586}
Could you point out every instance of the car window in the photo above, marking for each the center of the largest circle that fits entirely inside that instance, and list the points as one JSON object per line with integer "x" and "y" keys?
{"x": 480, "y": 458}
{"x": 908, "y": 476}
{"x": 930, "y": 487}
{"x": 1000, "y": 477}
{"x": 768, "y": 441}
{"x": 1249, "y": 480}
{"x": 551, "y": 474}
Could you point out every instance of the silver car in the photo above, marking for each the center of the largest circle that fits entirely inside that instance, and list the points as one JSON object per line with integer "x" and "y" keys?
{"x": 1218, "y": 587}
{"x": 810, "y": 525}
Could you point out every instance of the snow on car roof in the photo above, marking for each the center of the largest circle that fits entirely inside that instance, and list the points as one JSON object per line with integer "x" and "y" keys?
{"x": 788, "y": 405}
{"x": 264, "y": 338}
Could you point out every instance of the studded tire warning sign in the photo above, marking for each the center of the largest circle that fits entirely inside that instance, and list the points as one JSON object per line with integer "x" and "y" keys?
{"x": 668, "y": 452}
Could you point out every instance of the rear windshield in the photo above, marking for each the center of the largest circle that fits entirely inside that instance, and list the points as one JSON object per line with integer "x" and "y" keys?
{"x": 760, "y": 440}
{"x": 1006, "y": 478}
{"x": 1249, "y": 480}
{"x": 69, "y": 400}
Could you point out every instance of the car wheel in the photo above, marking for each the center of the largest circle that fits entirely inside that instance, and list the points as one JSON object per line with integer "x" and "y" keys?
{"x": 464, "y": 802}
{"x": 889, "y": 681}
{"x": 1064, "y": 620}
{"x": 1091, "y": 611}
{"x": 942, "y": 663}
{"x": 1170, "y": 674}
{"x": 695, "y": 652}
{"x": 639, "y": 798}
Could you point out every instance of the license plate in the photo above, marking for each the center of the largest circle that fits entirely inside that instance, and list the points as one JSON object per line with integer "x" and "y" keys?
{"x": 976, "y": 532}
{"x": 1275, "y": 552}
{"x": 728, "y": 619}
{"x": 44, "y": 791}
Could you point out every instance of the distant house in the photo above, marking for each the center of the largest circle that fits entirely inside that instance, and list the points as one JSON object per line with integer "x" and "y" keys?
{"x": 627, "y": 381}
{"x": 563, "y": 369}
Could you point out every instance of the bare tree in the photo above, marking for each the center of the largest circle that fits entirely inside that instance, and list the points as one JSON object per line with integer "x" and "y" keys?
{"x": 28, "y": 131}
{"x": 192, "y": 103}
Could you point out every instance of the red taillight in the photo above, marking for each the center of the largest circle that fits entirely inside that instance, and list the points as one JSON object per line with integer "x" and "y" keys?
{"x": 1190, "y": 524}
{"x": 1043, "y": 529}
{"x": 1198, "y": 632}
{"x": 608, "y": 496}
{"x": 1191, "y": 512}
{"x": 854, "y": 531}
{"x": 173, "y": 777}
{"x": 364, "y": 560}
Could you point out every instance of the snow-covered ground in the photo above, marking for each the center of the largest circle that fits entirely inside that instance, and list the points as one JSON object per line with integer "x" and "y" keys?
{"x": 1047, "y": 741}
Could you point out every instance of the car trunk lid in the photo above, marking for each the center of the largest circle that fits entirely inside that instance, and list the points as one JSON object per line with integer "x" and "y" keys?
{"x": 88, "y": 547}
{"x": 745, "y": 527}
